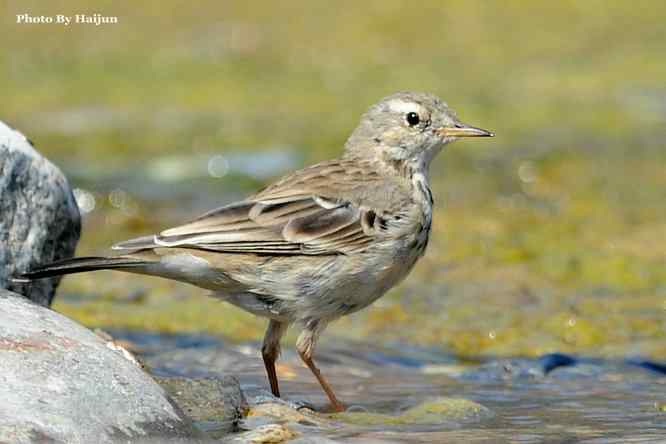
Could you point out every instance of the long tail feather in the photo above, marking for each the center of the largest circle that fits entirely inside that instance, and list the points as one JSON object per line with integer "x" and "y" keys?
{"x": 79, "y": 265}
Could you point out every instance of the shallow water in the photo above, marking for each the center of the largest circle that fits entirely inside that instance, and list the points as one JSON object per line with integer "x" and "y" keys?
{"x": 556, "y": 398}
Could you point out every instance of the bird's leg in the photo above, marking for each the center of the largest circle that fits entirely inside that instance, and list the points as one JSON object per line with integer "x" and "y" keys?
{"x": 270, "y": 351}
{"x": 305, "y": 345}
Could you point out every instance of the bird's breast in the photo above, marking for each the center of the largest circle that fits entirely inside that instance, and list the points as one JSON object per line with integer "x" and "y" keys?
{"x": 424, "y": 202}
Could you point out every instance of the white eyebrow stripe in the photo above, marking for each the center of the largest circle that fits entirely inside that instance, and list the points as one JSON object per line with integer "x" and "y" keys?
{"x": 400, "y": 106}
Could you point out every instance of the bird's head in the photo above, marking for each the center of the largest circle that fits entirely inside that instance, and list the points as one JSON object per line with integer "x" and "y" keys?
{"x": 408, "y": 127}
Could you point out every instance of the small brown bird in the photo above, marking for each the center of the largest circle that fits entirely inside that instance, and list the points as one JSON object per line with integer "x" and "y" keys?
{"x": 318, "y": 244}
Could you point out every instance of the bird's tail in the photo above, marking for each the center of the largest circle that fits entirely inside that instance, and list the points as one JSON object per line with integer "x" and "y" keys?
{"x": 79, "y": 265}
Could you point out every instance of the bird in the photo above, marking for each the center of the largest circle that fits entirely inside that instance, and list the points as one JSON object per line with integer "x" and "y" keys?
{"x": 320, "y": 243}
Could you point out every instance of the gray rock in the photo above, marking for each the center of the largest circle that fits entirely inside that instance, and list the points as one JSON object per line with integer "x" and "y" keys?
{"x": 265, "y": 434}
{"x": 39, "y": 219}
{"x": 59, "y": 382}
{"x": 215, "y": 404}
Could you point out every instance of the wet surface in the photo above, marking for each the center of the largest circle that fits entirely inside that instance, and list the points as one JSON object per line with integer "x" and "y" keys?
{"x": 406, "y": 394}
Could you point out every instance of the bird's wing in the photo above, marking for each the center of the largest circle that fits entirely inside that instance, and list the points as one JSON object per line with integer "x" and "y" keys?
{"x": 282, "y": 219}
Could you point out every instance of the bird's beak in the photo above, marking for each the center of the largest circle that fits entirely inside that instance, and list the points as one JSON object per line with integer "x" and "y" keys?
{"x": 462, "y": 130}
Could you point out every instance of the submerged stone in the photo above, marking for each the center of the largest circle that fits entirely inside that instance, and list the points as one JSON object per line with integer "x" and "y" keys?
{"x": 551, "y": 361}
{"x": 435, "y": 411}
{"x": 265, "y": 434}
{"x": 657, "y": 367}
{"x": 216, "y": 405}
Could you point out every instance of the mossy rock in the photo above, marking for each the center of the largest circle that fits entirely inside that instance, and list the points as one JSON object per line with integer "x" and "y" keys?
{"x": 434, "y": 411}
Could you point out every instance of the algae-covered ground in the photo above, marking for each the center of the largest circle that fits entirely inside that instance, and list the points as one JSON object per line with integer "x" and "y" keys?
{"x": 550, "y": 237}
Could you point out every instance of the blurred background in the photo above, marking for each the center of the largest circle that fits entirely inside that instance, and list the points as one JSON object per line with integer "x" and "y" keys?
{"x": 550, "y": 237}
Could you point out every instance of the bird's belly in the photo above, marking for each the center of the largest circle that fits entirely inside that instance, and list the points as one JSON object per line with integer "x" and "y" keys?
{"x": 365, "y": 279}
{"x": 267, "y": 306}
{"x": 299, "y": 289}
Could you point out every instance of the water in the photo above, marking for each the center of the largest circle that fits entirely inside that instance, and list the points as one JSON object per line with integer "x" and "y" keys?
{"x": 556, "y": 398}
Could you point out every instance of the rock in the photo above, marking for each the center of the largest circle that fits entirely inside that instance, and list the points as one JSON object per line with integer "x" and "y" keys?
{"x": 432, "y": 412}
{"x": 60, "y": 382}
{"x": 215, "y": 404}
{"x": 39, "y": 219}
{"x": 657, "y": 367}
{"x": 522, "y": 368}
{"x": 266, "y": 434}
{"x": 282, "y": 412}
{"x": 443, "y": 409}
{"x": 552, "y": 361}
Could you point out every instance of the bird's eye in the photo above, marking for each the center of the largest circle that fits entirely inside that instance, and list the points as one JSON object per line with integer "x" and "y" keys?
{"x": 413, "y": 119}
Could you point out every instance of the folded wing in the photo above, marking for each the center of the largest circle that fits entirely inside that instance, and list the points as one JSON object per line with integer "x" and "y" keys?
{"x": 298, "y": 224}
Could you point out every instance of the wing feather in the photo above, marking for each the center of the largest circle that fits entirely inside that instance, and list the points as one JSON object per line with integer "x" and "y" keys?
{"x": 302, "y": 214}
{"x": 308, "y": 225}
{"x": 227, "y": 218}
